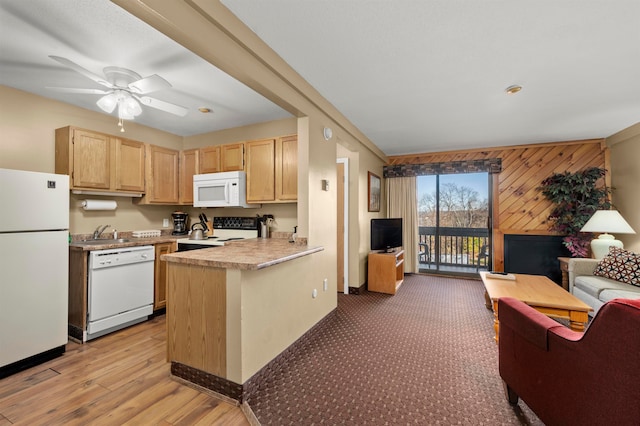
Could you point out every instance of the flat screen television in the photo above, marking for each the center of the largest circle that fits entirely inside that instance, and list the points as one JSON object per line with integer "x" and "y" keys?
{"x": 386, "y": 234}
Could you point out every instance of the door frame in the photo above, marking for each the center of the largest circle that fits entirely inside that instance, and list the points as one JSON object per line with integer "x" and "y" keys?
{"x": 345, "y": 162}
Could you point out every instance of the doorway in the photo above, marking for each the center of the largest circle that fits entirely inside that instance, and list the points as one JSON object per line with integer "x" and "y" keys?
{"x": 454, "y": 223}
{"x": 342, "y": 179}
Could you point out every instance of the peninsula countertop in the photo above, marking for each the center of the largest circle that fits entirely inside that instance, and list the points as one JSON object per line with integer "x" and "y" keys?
{"x": 249, "y": 254}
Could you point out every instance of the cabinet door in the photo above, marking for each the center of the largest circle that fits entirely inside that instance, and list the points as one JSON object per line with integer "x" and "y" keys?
{"x": 129, "y": 165}
{"x": 287, "y": 168}
{"x": 232, "y": 157}
{"x": 261, "y": 185}
{"x": 91, "y": 160}
{"x": 209, "y": 160}
{"x": 189, "y": 165}
{"x": 160, "y": 277}
{"x": 162, "y": 176}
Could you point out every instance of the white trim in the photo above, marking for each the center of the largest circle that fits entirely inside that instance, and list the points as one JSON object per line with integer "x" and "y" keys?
{"x": 345, "y": 161}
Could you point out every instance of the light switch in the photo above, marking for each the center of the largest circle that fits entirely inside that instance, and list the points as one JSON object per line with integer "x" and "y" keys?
{"x": 325, "y": 184}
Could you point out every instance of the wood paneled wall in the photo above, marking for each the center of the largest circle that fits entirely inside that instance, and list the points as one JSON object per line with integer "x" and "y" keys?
{"x": 518, "y": 206}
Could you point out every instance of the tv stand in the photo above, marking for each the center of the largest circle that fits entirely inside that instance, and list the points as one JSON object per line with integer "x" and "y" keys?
{"x": 385, "y": 271}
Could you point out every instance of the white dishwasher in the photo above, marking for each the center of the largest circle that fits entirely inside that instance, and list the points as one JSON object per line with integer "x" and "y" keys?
{"x": 120, "y": 288}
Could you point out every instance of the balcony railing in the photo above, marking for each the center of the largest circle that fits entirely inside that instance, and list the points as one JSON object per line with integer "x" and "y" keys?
{"x": 453, "y": 247}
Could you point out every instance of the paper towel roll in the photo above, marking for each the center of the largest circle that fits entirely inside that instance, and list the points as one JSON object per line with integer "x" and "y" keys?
{"x": 99, "y": 204}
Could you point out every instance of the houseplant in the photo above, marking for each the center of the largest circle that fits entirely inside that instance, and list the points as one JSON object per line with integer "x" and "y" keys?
{"x": 576, "y": 196}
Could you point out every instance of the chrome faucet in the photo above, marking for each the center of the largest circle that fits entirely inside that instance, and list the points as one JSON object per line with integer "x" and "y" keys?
{"x": 99, "y": 230}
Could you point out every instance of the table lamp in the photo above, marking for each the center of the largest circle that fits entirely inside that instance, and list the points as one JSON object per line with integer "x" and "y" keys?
{"x": 606, "y": 221}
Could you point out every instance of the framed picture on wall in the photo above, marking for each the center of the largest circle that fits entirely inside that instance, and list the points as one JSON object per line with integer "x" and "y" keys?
{"x": 374, "y": 193}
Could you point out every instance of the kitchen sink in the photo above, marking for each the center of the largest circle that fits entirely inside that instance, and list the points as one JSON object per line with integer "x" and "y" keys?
{"x": 104, "y": 241}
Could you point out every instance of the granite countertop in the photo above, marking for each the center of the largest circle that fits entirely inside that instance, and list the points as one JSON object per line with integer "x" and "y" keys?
{"x": 250, "y": 254}
{"x": 132, "y": 242}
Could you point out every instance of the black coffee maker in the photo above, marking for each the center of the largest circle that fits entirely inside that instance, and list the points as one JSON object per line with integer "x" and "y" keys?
{"x": 180, "y": 223}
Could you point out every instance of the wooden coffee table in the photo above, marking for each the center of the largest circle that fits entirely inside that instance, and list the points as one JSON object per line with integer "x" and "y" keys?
{"x": 540, "y": 293}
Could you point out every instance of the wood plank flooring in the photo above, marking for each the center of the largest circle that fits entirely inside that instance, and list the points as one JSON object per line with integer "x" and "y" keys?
{"x": 119, "y": 379}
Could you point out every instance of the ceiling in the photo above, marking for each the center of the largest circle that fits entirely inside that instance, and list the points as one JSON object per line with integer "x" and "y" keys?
{"x": 414, "y": 76}
{"x": 97, "y": 33}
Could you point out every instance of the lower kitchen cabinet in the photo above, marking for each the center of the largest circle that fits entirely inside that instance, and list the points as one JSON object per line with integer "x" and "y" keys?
{"x": 160, "y": 276}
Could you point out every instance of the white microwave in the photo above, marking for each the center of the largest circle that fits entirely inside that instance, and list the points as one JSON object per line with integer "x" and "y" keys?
{"x": 226, "y": 189}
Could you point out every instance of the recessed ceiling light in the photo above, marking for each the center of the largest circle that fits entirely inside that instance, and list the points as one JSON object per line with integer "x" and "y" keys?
{"x": 204, "y": 110}
{"x": 512, "y": 90}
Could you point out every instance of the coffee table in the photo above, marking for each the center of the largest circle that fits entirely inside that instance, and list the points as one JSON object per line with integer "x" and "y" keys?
{"x": 540, "y": 293}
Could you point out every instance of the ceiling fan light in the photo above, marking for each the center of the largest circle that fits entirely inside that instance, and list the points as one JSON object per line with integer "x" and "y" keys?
{"x": 131, "y": 107}
{"x": 108, "y": 103}
{"x": 123, "y": 115}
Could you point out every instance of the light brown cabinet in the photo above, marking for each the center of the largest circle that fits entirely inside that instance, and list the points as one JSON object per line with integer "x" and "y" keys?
{"x": 385, "y": 272}
{"x": 129, "y": 170}
{"x": 210, "y": 159}
{"x": 100, "y": 162}
{"x": 189, "y": 166}
{"x": 232, "y": 157}
{"x": 272, "y": 170}
{"x": 160, "y": 275}
{"x": 261, "y": 169}
{"x": 287, "y": 168}
{"x": 161, "y": 176}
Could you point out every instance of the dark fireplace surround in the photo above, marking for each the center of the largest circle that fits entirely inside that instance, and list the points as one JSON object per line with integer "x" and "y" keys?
{"x": 535, "y": 255}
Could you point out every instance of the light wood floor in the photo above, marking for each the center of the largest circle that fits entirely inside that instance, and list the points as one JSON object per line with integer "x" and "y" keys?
{"x": 122, "y": 378}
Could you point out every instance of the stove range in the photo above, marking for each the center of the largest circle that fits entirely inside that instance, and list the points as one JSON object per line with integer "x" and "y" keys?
{"x": 224, "y": 229}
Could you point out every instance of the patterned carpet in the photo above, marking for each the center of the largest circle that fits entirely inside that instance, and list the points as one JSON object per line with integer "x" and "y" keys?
{"x": 425, "y": 356}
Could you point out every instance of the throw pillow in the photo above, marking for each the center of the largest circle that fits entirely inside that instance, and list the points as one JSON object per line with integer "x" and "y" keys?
{"x": 620, "y": 265}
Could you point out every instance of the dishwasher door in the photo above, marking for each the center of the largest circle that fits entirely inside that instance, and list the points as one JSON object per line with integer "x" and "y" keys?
{"x": 120, "y": 288}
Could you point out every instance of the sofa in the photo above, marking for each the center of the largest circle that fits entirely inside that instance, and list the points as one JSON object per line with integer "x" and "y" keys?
{"x": 596, "y": 282}
{"x": 568, "y": 377}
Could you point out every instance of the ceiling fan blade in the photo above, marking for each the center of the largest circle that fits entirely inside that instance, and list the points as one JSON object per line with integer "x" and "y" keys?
{"x": 77, "y": 68}
{"x": 163, "y": 106}
{"x": 153, "y": 83}
{"x": 79, "y": 91}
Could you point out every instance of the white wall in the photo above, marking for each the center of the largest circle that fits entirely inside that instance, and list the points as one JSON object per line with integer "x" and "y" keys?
{"x": 625, "y": 180}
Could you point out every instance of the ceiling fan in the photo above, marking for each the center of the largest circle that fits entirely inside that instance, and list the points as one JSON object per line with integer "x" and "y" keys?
{"x": 124, "y": 90}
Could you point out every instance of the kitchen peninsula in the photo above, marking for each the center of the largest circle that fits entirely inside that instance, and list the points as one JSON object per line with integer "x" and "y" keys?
{"x": 232, "y": 310}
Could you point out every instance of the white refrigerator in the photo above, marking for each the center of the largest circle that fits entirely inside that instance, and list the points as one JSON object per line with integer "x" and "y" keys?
{"x": 34, "y": 267}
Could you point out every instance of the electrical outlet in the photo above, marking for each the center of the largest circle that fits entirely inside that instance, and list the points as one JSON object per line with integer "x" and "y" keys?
{"x": 165, "y": 223}
{"x": 314, "y": 293}
{"x": 325, "y": 284}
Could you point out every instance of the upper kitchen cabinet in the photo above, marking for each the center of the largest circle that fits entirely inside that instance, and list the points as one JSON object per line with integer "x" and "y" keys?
{"x": 231, "y": 157}
{"x": 129, "y": 170}
{"x": 209, "y": 160}
{"x": 222, "y": 158}
{"x": 190, "y": 163}
{"x": 261, "y": 169}
{"x": 161, "y": 173}
{"x": 99, "y": 162}
{"x": 272, "y": 170}
{"x": 287, "y": 168}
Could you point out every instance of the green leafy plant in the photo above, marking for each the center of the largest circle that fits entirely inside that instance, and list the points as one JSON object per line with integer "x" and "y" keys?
{"x": 576, "y": 197}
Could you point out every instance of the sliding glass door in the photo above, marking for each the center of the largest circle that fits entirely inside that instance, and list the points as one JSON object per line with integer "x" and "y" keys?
{"x": 454, "y": 229}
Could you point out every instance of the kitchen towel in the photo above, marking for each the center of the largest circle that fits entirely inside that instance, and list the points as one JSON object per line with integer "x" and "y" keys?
{"x": 99, "y": 204}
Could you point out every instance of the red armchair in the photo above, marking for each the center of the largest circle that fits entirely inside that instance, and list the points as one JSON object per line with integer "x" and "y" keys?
{"x": 567, "y": 377}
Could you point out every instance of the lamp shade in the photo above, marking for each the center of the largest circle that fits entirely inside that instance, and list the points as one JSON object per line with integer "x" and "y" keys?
{"x": 607, "y": 221}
